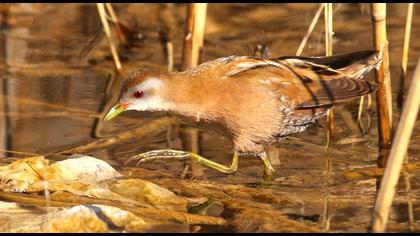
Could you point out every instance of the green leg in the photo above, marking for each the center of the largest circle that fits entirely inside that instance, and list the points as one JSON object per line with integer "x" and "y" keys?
{"x": 268, "y": 169}
{"x": 182, "y": 155}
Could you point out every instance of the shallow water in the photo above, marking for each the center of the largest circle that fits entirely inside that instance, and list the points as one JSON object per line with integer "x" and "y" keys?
{"x": 56, "y": 68}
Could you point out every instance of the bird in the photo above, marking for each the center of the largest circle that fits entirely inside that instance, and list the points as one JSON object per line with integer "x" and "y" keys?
{"x": 253, "y": 101}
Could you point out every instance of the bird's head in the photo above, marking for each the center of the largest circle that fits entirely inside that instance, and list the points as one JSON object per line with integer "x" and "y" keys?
{"x": 142, "y": 91}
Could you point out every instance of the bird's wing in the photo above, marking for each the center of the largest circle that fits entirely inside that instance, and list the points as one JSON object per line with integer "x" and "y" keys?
{"x": 310, "y": 84}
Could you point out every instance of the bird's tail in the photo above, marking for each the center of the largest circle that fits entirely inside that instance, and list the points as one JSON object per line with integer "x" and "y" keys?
{"x": 340, "y": 76}
{"x": 353, "y": 64}
{"x": 365, "y": 63}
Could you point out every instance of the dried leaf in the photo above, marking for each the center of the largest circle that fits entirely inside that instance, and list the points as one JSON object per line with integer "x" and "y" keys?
{"x": 78, "y": 219}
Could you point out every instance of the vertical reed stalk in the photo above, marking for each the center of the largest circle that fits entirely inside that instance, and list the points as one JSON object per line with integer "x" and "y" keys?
{"x": 102, "y": 15}
{"x": 6, "y": 106}
{"x": 3, "y": 120}
{"x": 5, "y": 125}
{"x": 170, "y": 66}
{"x": 404, "y": 57}
{"x": 170, "y": 57}
{"x": 382, "y": 76}
{"x": 120, "y": 34}
{"x": 396, "y": 157}
{"x": 328, "y": 14}
{"x": 310, "y": 29}
{"x": 194, "y": 34}
{"x": 192, "y": 49}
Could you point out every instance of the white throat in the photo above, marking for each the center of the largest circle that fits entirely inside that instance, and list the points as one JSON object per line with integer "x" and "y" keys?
{"x": 150, "y": 102}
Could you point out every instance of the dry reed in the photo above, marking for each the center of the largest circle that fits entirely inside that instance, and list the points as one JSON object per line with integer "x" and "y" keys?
{"x": 396, "y": 157}
{"x": 310, "y": 29}
{"x": 118, "y": 27}
{"x": 382, "y": 75}
{"x": 68, "y": 200}
{"x": 170, "y": 57}
{"x": 194, "y": 34}
{"x": 121, "y": 137}
{"x": 107, "y": 30}
{"x": 404, "y": 57}
{"x": 328, "y": 14}
{"x": 326, "y": 217}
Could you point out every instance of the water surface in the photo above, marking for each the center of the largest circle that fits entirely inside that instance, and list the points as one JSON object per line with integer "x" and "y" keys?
{"x": 56, "y": 67}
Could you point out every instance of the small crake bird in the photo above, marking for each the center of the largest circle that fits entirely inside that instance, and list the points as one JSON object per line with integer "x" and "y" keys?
{"x": 254, "y": 101}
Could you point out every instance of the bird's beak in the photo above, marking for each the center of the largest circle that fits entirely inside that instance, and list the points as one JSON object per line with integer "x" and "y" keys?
{"x": 115, "y": 110}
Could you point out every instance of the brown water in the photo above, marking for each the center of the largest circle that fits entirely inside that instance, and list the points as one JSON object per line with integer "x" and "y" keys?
{"x": 56, "y": 67}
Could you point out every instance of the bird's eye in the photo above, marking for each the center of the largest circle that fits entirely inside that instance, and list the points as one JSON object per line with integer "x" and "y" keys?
{"x": 138, "y": 94}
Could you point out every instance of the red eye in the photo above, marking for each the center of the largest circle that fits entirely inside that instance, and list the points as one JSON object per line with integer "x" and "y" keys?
{"x": 138, "y": 94}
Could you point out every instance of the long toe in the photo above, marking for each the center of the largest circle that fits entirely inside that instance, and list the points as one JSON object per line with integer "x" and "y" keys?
{"x": 158, "y": 155}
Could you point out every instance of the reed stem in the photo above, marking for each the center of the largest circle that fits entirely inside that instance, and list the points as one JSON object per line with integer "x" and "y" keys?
{"x": 382, "y": 75}
{"x": 117, "y": 24}
{"x": 121, "y": 137}
{"x": 194, "y": 34}
{"x": 328, "y": 28}
{"x": 310, "y": 29}
{"x": 170, "y": 57}
{"x": 396, "y": 157}
{"x": 328, "y": 14}
{"x": 404, "y": 57}
{"x": 328, "y": 172}
{"x": 102, "y": 15}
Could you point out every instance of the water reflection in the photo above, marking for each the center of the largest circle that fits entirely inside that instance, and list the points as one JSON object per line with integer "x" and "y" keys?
{"x": 56, "y": 75}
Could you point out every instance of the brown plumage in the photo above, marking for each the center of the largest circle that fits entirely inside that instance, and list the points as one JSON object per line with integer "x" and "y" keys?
{"x": 254, "y": 100}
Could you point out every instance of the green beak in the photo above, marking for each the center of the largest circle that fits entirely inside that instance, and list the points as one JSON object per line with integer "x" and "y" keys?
{"x": 115, "y": 110}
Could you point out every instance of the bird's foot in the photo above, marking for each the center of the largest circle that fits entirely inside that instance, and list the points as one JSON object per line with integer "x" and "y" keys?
{"x": 268, "y": 177}
{"x": 268, "y": 168}
{"x": 170, "y": 154}
{"x": 163, "y": 154}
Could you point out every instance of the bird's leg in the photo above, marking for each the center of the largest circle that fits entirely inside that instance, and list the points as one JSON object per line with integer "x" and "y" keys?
{"x": 268, "y": 169}
{"x": 170, "y": 154}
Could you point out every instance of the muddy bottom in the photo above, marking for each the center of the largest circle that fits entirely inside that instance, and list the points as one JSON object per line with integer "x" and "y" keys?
{"x": 58, "y": 78}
